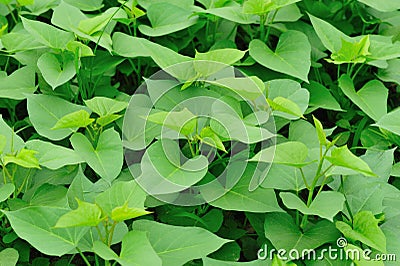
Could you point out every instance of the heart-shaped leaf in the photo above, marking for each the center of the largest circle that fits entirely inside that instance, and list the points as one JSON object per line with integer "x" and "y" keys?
{"x": 292, "y": 55}
{"x": 56, "y": 71}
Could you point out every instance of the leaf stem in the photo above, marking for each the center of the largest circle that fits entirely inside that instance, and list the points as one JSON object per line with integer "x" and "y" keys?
{"x": 83, "y": 257}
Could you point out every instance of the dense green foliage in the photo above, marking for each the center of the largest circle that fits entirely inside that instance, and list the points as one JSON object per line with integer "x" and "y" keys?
{"x": 182, "y": 132}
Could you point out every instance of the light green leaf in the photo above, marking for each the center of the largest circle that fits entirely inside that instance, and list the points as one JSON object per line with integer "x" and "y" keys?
{"x": 19, "y": 83}
{"x": 213, "y": 262}
{"x": 136, "y": 250}
{"x": 292, "y": 55}
{"x": 351, "y": 52}
{"x": 213, "y": 61}
{"x": 182, "y": 121}
{"x": 83, "y": 50}
{"x": 166, "y": 18}
{"x": 3, "y": 143}
{"x": 53, "y": 156}
{"x": 281, "y": 224}
{"x": 6, "y": 190}
{"x": 295, "y": 98}
{"x": 13, "y": 142}
{"x": 124, "y": 212}
{"x": 286, "y": 106}
{"x": 128, "y": 46}
{"x": 326, "y": 204}
{"x": 121, "y": 195}
{"x": 35, "y": 225}
{"x": 44, "y": 112}
{"x": 47, "y": 34}
{"x": 320, "y": 131}
{"x": 390, "y": 121}
{"x": 77, "y": 119}
{"x": 88, "y": 5}
{"x": 292, "y": 153}
{"x": 94, "y": 24}
{"x": 383, "y": 6}
{"x": 249, "y": 88}
{"x": 261, "y": 7}
{"x": 25, "y": 158}
{"x": 107, "y": 158}
{"x": 108, "y": 119}
{"x": 87, "y": 214}
{"x": 9, "y": 257}
{"x": 164, "y": 171}
{"x": 104, "y": 106}
{"x": 56, "y": 71}
{"x": 209, "y": 137}
{"x": 188, "y": 242}
{"x": 365, "y": 229}
{"x": 371, "y": 98}
{"x": 328, "y": 34}
{"x": 342, "y": 156}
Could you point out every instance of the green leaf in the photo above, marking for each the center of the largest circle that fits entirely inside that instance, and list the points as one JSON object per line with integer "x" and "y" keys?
{"x": 18, "y": 84}
{"x": 286, "y": 106}
{"x": 104, "y": 106}
{"x": 47, "y": 34}
{"x": 371, "y": 98}
{"x": 390, "y": 121}
{"x": 328, "y": 34}
{"x": 239, "y": 197}
{"x": 121, "y": 194}
{"x": 320, "y": 131}
{"x": 164, "y": 171}
{"x": 108, "y": 119}
{"x": 352, "y": 52}
{"x": 89, "y": 5}
{"x": 53, "y": 156}
{"x": 95, "y": 24}
{"x": 9, "y": 257}
{"x": 213, "y": 61}
{"x": 25, "y": 158}
{"x": 182, "y": 121}
{"x": 87, "y": 214}
{"x": 188, "y": 242}
{"x": 365, "y": 229}
{"x": 107, "y": 158}
{"x": 326, "y": 204}
{"x": 166, "y": 18}
{"x": 292, "y": 55}
{"x": 77, "y": 119}
{"x": 281, "y": 224}
{"x": 342, "y": 156}
{"x": 249, "y": 88}
{"x": 321, "y": 97}
{"x": 6, "y": 190}
{"x": 56, "y": 71}
{"x": 383, "y": 6}
{"x": 35, "y": 225}
{"x": 261, "y": 7}
{"x": 44, "y": 112}
{"x": 3, "y": 143}
{"x": 292, "y": 153}
{"x": 124, "y": 212}
{"x": 209, "y": 137}
{"x": 128, "y": 46}
{"x": 136, "y": 250}
{"x": 295, "y": 98}
{"x": 213, "y": 262}
{"x": 390, "y": 74}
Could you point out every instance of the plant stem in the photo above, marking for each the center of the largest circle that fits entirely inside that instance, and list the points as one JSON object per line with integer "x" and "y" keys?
{"x": 83, "y": 257}
{"x": 269, "y": 25}
{"x": 111, "y": 235}
{"x": 314, "y": 183}
{"x": 12, "y": 14}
